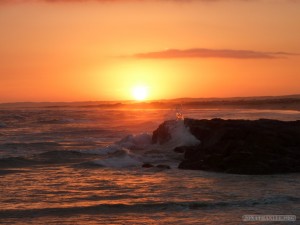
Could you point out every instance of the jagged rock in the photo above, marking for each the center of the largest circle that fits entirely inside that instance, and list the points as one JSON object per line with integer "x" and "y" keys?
{"x": 240, "y": 146}
{"x": 160, "y": 166}
{"x": 147, "y": 165}
{"x": 163, "y": 166}
{"x": 180, "y": 149}
{"x": 162, "y": 135}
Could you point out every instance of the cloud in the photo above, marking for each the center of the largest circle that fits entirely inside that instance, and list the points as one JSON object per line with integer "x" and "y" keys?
{"x": 210, "y": 53}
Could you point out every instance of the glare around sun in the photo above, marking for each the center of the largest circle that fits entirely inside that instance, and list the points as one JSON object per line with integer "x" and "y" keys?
{"x": 140, "y": 93}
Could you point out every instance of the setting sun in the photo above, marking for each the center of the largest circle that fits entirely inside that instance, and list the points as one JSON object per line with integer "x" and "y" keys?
{"x": 140, "y": 93}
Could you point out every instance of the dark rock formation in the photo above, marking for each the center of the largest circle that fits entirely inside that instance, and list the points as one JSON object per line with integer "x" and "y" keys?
{"x": 161, "y": 166}
{"x": 240, "y": 146}
{"x": 181, "y": 149}
{"x": 147, "y": 165}
{"x": 162, "y": 135}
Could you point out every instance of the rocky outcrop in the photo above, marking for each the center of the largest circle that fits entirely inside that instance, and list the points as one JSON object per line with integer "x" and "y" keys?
{"x": 239, "y": 146}
{"x": 160, "y": 166}
{"x": 162, "y": 134}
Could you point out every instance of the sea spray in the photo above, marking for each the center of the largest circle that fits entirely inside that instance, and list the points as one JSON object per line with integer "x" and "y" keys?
{"x": 180, "y": 135}
{"x": 59, "y": 191}
{"x": 121, "y": 159}
{"x": 135, "y": 142}
{"x": 134, "y": 150}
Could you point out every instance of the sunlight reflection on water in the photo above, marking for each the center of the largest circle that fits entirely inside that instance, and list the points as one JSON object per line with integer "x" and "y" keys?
{"x": 64, "y": 193}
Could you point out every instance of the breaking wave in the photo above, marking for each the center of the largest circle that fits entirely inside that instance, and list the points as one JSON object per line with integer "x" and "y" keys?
{"x": 136, "y": 150}
{"x": 145, "y": 207}
{"x": 130, "y": 151}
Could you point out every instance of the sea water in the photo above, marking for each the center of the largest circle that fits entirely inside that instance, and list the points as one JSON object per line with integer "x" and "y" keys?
{"x": 76, "y": 165}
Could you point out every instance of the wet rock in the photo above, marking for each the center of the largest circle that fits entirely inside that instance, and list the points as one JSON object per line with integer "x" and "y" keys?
{"x": 163, "y": 166}
{"x": 147, "y": 165}
{"x": 162, "y": 134}
{"x": 160, "y": 166}
{"x": 240, "y": 146}
{"x": 180, "y": 149}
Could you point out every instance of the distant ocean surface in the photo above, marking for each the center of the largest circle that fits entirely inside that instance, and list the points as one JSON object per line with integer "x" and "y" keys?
{"x": 76, "y": 165}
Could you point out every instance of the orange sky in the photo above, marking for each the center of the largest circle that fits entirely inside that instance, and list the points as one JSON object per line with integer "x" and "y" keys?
{"x": 100, "y": 50}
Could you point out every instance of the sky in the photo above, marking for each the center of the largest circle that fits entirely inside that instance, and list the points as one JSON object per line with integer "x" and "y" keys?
{"x": 97, "y": 50}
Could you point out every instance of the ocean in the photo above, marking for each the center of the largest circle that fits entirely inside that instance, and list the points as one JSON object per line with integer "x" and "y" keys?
{"x": 83, "y": 165}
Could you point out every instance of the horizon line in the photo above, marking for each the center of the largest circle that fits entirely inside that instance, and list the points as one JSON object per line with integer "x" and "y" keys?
{"x": 149, "y": 100}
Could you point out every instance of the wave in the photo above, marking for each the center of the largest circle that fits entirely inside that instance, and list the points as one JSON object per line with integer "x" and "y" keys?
{"x": 56, "y": 121}
{"x": 29, "y": 144}
{"x": 16, "y": 162}
{"x": 136, "y": 150}
{"x": 62, "y": 157}
{"x": 131, "y": 151}
{"x": 144, "y": 207}
{"x": 6, "y": 172}
{"x": 120, "y": 159}
{"x": 61, "y": 154}
{"x": 46, "y": 158}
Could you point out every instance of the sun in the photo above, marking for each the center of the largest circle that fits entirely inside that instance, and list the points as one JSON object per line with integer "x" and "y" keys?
{"x": 140, "y": 93}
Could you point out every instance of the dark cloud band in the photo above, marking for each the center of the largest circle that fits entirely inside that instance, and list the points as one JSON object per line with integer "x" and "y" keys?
{"x": 210, "y": 53}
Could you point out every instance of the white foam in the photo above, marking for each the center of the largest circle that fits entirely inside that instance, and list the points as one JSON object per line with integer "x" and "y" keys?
{"x": 120, "y": 161}
{"x": 103, "y": 151}
{"x": 141, "y": 141}
{"x": 134, "y": 150}
{"x": 180, "y": 135}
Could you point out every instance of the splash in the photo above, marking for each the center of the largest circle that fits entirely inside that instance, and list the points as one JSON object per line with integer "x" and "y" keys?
{"x": 135, "y": 150}
{"x": 121, "y": 159}
{"x": 180, "y": 135}
{"x": 179, "y": 114}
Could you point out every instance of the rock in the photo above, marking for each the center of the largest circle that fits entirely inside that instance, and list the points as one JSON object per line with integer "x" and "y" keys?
{"x": 160, "y": 166}
{"x": 163, "y": 166}
{"x": 162, "y": 134}
{"x": 240, "y": 146}
{"x": 180, "y": 149}
{"x": 147, "y": 165}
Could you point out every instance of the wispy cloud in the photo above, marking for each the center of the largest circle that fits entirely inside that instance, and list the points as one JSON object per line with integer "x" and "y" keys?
{"x": 210, "y": 53}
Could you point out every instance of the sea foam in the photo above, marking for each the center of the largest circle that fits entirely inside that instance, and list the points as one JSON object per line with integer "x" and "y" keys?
{"x": 181, "y": 135}
{"x": 134, "y": 150}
